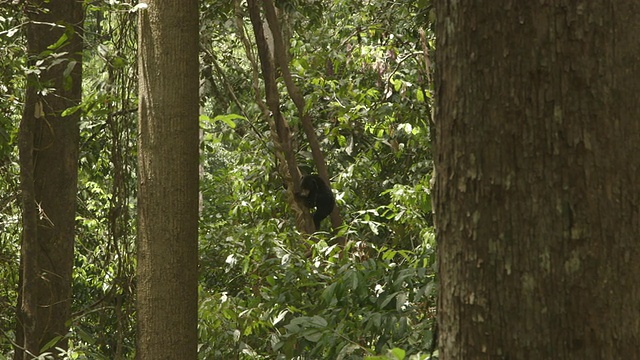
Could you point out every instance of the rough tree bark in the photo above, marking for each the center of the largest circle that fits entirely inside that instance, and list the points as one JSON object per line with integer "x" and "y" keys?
{"x": 538, "y": 198}
{"x": 167, "y": 273}
{"x": 48, "y": 147}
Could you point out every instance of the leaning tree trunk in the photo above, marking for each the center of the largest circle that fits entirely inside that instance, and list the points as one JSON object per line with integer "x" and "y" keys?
{"x": 283, "y": 139}
{"x": 281, "y": 58}
{"x": 48, "y": 147}
{"x": 538, "y": 191}
{"x": 167, "y": 274}
{"x": 273, "y": 55}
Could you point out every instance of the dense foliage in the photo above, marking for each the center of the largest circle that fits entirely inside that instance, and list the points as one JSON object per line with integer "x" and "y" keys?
{"x": 266, "y": 290}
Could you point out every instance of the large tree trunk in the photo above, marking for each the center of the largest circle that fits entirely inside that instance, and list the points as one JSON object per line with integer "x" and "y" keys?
{"x": 49, "y": 172}
{"x": 538, "y": 197}
{"x": 167, "y": 287}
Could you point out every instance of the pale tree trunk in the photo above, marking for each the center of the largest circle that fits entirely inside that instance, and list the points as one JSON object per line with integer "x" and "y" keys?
{"x": 49, "y": 173}
{"x": 538, "y": 191}
{"x": 167, "y": 288}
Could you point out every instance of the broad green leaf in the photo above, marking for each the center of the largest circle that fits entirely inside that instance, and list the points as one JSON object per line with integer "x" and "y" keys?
{"x": 63, "y": 39}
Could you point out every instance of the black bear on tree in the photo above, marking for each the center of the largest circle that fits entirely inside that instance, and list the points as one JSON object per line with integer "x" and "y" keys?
{"x": 316, "y": 193}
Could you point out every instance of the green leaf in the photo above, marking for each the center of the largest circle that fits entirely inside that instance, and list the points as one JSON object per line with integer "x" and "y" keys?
{"x": 70, "y": 110}
{"x": 313, "y": 335}
{"x": 388, "y": 299}
{"x": 63, "y": 39}
{"x": 227, "y": 119}
{"x": 329, "y": 293}
{"x": 398, "y": 353}
{"x": 118, "y": 62}
{"x": 318, "y": 321}
{"x": 69, "y": 68}
{"x": 52, "y": 342}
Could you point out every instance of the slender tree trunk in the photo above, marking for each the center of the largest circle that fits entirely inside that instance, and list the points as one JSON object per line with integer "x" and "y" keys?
{"x": 281, "y": 58}
{"x": 538, "y": 197}
{"x": 264, "y": 43}
{"x": 167, "y": 287}
{"x": 272, "y": 51}
{"x": 49, "y": 172}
